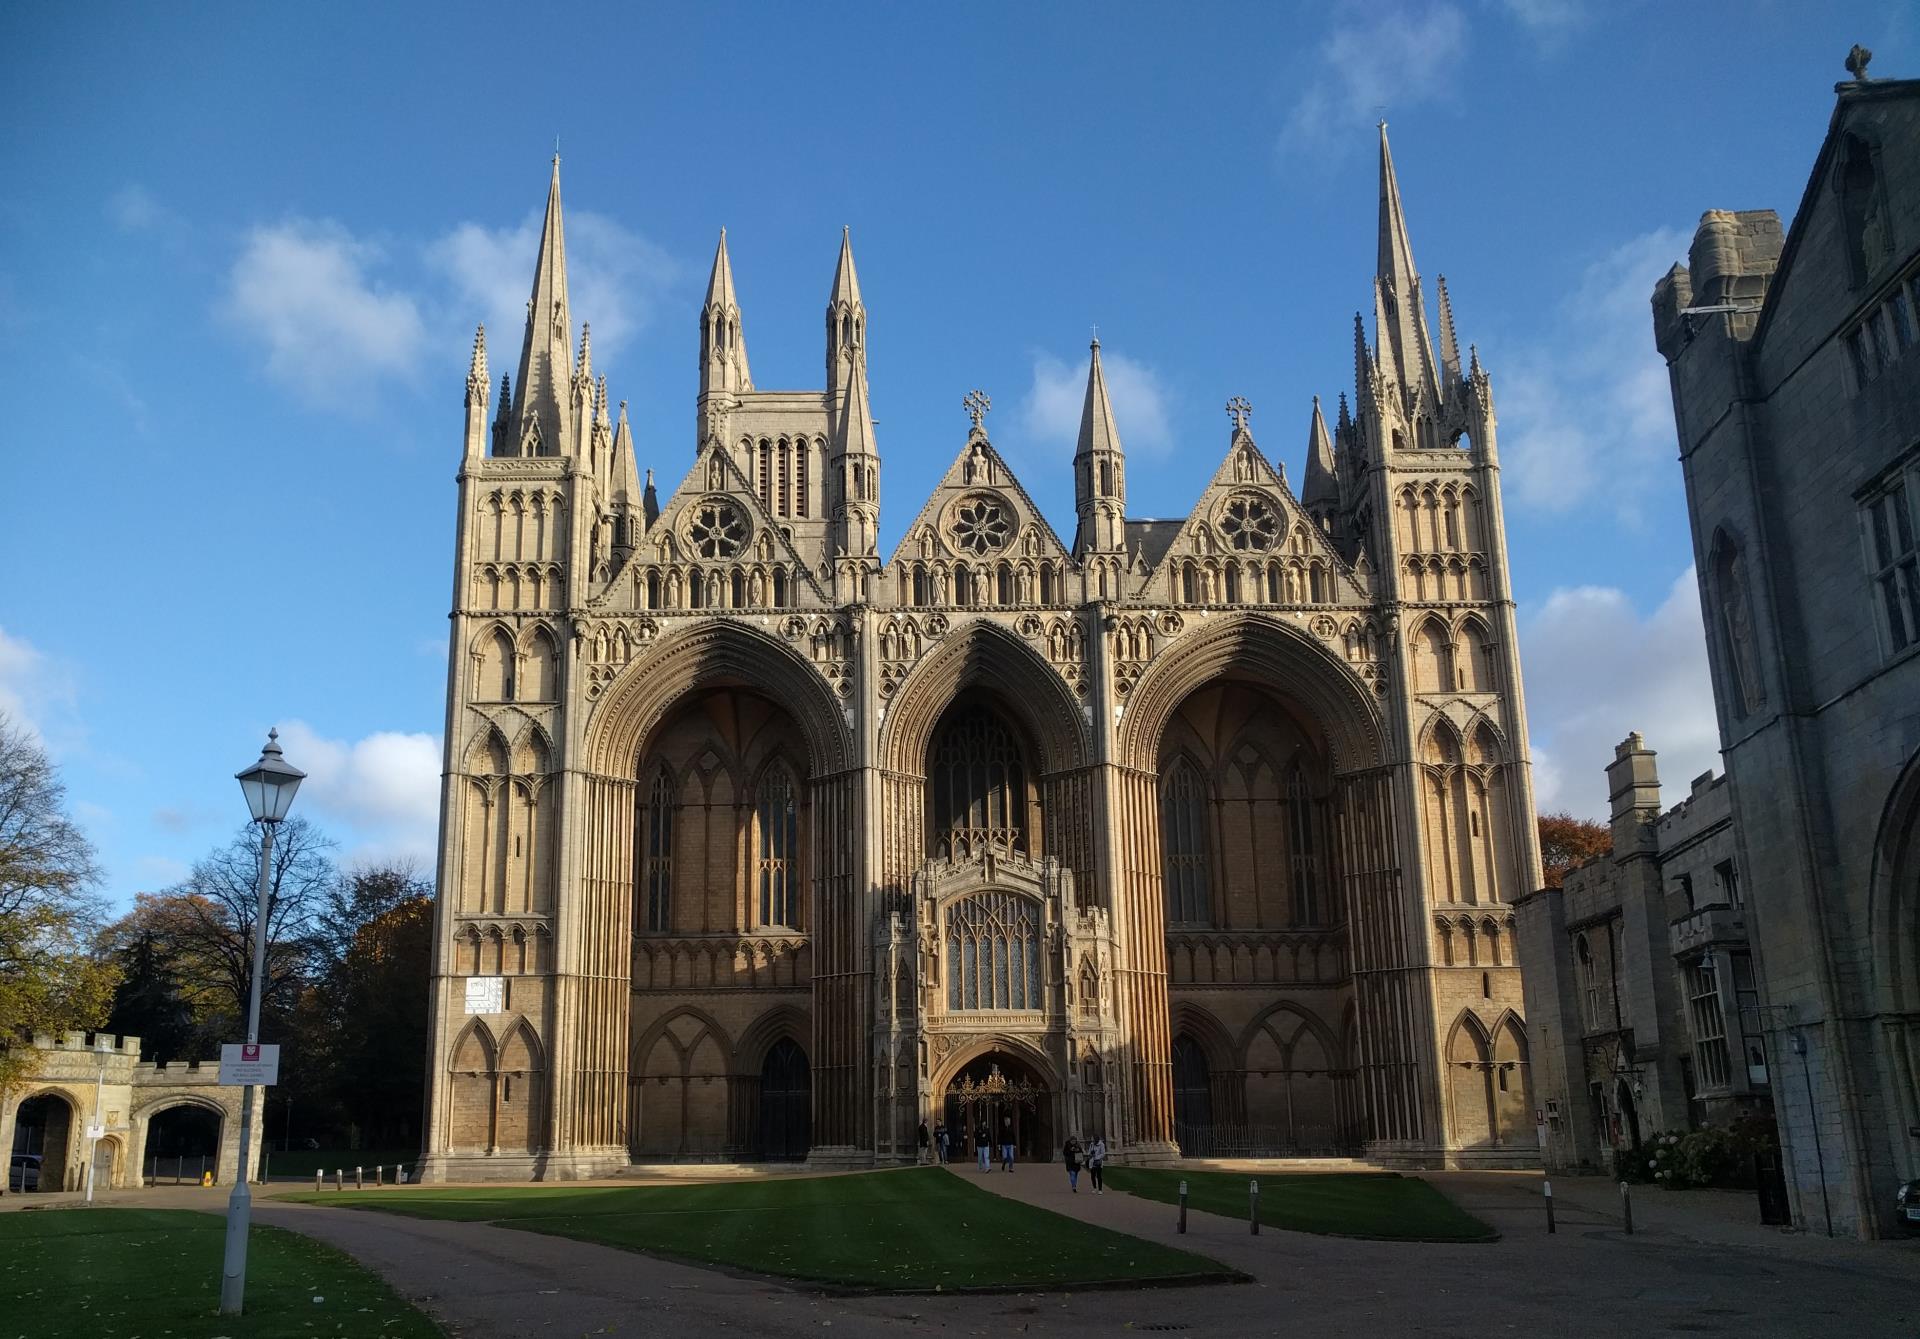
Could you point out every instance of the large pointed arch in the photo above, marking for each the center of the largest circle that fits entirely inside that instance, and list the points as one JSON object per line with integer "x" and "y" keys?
{"x": 985, "y": 655}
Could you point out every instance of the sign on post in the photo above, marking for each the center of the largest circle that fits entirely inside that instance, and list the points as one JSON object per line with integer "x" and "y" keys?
{"x": 486, "y": 994}
{"x": 96, "y": 1132}
{"x": 242, "y": 1063}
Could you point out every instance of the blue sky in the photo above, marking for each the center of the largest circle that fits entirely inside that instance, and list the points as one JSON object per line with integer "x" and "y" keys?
{"x": 243, "y": 250}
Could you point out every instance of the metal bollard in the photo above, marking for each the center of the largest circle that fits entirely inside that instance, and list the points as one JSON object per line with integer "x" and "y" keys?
{"x": 400, "y": 1174}
{"x": 1626, "y": 1206}
{"x": 379, "y": 1174}
{"x": 339, "y": 1179}
{"x": 1183, "y": 1206}
{"x": 1547, "y": 1187}
{"x": 1253, "y": 1207}
{"x": 319, "y": 1180}
{"x": 359, "y": 1178}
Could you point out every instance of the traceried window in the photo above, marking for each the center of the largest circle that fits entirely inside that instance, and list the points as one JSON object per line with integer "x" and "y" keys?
{"x": 718, "y": 529}
{"x": 1305, "y": 850}
{"x": 1709, "y": 1025}
{"x": 993, "y": 952}
{"x": 979, "y": 786}
{"x": 1895, "y": 564}
{"x": 981, "y": 525}
{"x": 1188, "y": 865}
{"x": 1589, "y": 982}
{"x": 777, "y": 841}
{"x": 1249, "y": 524}
{"x": 656, "y": 875}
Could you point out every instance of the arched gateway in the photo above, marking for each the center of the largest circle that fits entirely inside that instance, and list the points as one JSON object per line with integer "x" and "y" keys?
{"x": 759, "y": 845}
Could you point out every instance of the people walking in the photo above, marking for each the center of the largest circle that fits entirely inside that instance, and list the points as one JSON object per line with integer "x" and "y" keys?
{"x": 983, "y": 1145}
{"x": 1006, "y": 1143}
{"x": 1070, "y": 1154}
{"x": 941, "y": 1139}
{"x": 1096, "y": 1161}
{"x": 926, "y": 1145}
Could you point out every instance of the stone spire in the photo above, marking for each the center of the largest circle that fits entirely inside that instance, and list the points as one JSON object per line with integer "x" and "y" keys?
{"x": 854, "y": 465}
{"x": 846, "y": 325}
{"x": 479, "y": 384}
{"x": 1099, "y": 469}
{"x": 723, "y": 340}
{"x": 1320, "y": 493}
{"x": 539, "y": 423}
{"x": 1449, "y": 342}
{"x": 628, "y": 502}
{"x": 1400, "y": 322}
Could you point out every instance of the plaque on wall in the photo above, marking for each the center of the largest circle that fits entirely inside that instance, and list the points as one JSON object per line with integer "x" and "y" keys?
{"x": 486, "y": 994}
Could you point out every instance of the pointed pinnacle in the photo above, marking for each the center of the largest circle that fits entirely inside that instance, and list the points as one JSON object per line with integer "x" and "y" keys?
{"x": 720, "y": 283}
{"x": 846, "y": 282}
{"x": 477, "y": 369}
{"x": 1098, "y": 431}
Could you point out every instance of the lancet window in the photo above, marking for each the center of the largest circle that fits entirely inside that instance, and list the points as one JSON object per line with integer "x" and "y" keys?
{"x": 979, "y": 787}
{"x": 1188, "y": 869}
{"x": 1305, "y": 850}
{"x": 657, "y": 845}
{"x": 993, "y": 952}
{"x": 778, "y": 843}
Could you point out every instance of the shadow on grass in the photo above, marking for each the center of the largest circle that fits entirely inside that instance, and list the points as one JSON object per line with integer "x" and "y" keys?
{"x": 921, "y": 1230}
{"x": 1377, "y": 1206}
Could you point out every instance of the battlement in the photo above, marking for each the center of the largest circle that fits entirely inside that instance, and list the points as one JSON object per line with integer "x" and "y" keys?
{"x": 84, "y": 1041}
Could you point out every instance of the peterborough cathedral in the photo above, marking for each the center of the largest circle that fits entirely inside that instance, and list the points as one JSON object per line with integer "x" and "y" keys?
{"x": 760, "y": 843}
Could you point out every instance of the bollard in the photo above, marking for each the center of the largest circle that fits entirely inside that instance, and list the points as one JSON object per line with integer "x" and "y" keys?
{"x": 339, "y": 1179}
{"x": 1626, "y": 1206}
{"x": 379, "y": 1174}
{"x": 359, "y": 1178}
{"x": 1548, "y": 1191}
{"x": 1253, "y": 1207}
{"x": 1183, "y": 1206}
{"x": 400, "y": 1174}
{"x": 319, "y": 1180}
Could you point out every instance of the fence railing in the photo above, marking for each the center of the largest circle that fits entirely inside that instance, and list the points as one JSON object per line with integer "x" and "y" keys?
{"x": 1263, "y": 1141}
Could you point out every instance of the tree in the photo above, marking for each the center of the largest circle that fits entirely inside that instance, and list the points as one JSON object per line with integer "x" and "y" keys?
{"x": 150, "y": 1003}
{"x": 1566, "y": 841}
{"x": 49, "y": 911}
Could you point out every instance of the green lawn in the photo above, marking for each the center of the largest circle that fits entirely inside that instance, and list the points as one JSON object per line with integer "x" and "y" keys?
{"x": 1382, "y": 1205}
{"x": 119, "y": 1273}
{"x": 922, "y": 1229}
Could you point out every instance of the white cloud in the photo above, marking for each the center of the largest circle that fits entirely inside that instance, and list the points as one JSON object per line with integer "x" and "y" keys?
{"x": 159, "y": 871}
{"x": 301, "y": 289}
{"x": 1550, "y": 20}
{"x": 1050, "y": 413}
{"x": 1596, "y": 669}
{"x": 134, "y": 208}
{"x": 1596, "y": 409}
{"x": 615, "y": 278}
{"x": 383, "y": 788}
{"x": 1378, "y": 60}
{"x": 35, "y": 694}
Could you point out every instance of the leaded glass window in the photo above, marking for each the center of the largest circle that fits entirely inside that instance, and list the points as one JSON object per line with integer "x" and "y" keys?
{"x": 993, "y": 952}
{"x": 979, "y": 787}
{"x": 1305, "y": 850}
{"x": 777, "y": 819}
{"x": 1188, "y": 863}
{"x": 657, "y": 846}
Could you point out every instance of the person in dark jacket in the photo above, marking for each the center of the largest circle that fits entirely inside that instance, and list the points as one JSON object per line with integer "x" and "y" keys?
{"x": 1070, "y": 1154}
{"x": 983, "y": 1144}
{"x": 926, "y": 1144}
{"x": 942, "y": 1141}
{"x": 1006, "y": 1143}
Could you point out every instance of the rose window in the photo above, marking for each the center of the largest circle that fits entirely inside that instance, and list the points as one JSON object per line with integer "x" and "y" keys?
{"x": 1249, "y": 524}
{"x": 718, "y": 529}
{"x": 981, "y": 526}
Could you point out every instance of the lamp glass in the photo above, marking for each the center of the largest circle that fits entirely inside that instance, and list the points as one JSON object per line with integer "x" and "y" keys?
{"x": 269, "y": 785}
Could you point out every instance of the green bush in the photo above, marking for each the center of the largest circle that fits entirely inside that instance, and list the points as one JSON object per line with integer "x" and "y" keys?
{"x": 1716, "y": 1155}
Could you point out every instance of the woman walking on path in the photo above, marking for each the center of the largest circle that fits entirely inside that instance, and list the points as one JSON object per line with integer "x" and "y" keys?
{"x": 1096, "y": 1160}
{"x": 941, "y": 1139}
{"x": 926, "y": 1144}
{"x": 983, "y": 1145}
{"x": 1070, "y": 1154}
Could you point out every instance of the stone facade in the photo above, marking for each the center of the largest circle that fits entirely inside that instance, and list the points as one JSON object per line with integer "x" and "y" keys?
{"x": 1637, "y": 971}
{"x": 759, "y": 843}
{"x": 1796, "y": 389}
{"x": 70, "y": 1077}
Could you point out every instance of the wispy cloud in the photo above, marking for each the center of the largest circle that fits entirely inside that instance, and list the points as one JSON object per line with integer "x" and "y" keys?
{"x": 381, "y": 792}
{"x": 1552, "y": 21}
{"x": 1595, "y": 669}
{"x": 1376, "y": 61}
{"x": 1050, "y": 412}
{"x": 135, "y": 209}
{"x": 35, "y": 693}
{"x": 1598, "y": 406}
{"x": 302, "y": 290}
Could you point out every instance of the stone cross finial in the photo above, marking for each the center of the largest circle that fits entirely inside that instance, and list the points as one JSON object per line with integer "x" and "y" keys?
{"x": 1239, "y": 409}
{"x": 977, "y": 404}
{"x": 1857, "y": 62}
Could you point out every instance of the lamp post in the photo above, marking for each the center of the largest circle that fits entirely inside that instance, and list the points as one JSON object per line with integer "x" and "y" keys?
{"x": 102, "y": 1050}
{"x": 269, "y": 786}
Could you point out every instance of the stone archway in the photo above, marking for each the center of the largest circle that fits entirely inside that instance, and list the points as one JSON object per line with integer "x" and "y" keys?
{"x": 999, "y": 1093}
{"x": 47, "y": 1125}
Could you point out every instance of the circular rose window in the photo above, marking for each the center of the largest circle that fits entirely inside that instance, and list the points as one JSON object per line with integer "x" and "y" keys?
{"x": 718, "y": 529}
{"x": 1250, "y": 524}
{"x": 982, "y": 525}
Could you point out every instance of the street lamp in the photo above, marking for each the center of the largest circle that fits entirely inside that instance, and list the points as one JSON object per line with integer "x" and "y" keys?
{"x": 102, "y": 1048}
{"x": 269, "y": 786}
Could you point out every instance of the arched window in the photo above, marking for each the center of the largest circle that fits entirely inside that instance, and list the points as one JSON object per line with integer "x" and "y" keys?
{"x": 778, "y": 819}
{"x": 1189, "y": 586}
{"x": 656, "y": 843}
{"x": 800, "y": 477}
{"x": 1046, "y": 583}
{"x": 653, "y": 590}
{"x": 766, "y": 473}
{"x": 1186, "y": 858}
{"x": 922, "y": 589}
{"x": 993, "y": 952}
{"x": 1192, "y": 1095}
{"x": 979, "y": 786}
{"x": 779, "y": 588}
{"x": 696, "y": 589}
{"x": 1305, "y": 850}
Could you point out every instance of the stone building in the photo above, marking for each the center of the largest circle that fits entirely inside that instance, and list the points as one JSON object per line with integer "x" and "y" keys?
{"x": 1796, "y": 390}
{"x": 146, "y": 1112}
{"x": 758, "y": 842}
{"x": 1639, "y": 976}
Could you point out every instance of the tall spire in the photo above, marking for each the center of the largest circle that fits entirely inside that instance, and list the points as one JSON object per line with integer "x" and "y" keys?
{"x": 1449, "y": 342}
{"x": 546, "y": 358}
{"x": 723, "y": 340}
{"x": 1099, "y": 468}
{"x": 478, "y": 385}
{"x": 628, "y": 502}
{"x": 1400, "y": 319}
{"x": 1320, "y": 491}
{"x": 846, "y": 323}
{"x": 854, "y": 468}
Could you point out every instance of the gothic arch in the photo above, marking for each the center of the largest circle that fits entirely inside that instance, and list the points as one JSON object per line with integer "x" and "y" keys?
{"x": 1268, "y": 651}
{"x": 644, "y": 1044}
{"x": 1310, "y": 1022}
{"x": 715, "y": 653}
{"x": 1893, "y": 896}
{"x": 1222, "y": 1050}
{"x": 988, "y": 656}
{"x": 782, "y": 1022}
{"x": 1029, "y": 1054}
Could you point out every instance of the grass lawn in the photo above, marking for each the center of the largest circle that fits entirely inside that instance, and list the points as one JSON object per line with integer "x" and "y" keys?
{"x": 1383, "y": 1205}
{"x": 917, "y": 1230}
{"x": 119, "y": 1273}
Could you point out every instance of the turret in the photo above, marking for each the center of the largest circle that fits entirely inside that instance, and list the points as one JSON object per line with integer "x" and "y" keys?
{"x": 1320, "y": 490}
{"x": 629, "y": 505}
{"x": 478, "y": 386}
{"x": 1099, "y": 470}
{"x": 723, "y": 340}
{"x": 854, "y": 472}
{"x": 539, "y": 422}
{"x": 846, "y": 328}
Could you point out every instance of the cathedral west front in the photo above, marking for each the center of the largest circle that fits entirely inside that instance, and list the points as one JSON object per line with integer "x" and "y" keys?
{"x": 760, "y": 842}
